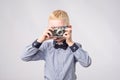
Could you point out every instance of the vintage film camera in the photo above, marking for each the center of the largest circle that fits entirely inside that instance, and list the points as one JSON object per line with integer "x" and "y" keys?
{"x": 59, "y": 31}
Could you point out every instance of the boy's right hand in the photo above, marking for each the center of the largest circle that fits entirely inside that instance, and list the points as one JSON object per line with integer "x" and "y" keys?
{"x": 46, "y": 35}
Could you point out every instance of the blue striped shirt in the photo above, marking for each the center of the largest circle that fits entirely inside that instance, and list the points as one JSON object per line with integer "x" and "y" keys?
{"x": 59, "y": 63}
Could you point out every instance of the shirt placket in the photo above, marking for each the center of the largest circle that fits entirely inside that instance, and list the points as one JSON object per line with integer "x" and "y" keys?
{"x": 60, "y": 64}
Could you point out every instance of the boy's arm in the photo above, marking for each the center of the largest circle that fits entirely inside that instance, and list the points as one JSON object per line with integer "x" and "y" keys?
{"x": 33, "y": 52}
{"x": 80, "y": 55}
{"x": 36, "y": 51}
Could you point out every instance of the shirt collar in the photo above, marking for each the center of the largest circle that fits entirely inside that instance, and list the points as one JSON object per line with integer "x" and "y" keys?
{"x": 64, "y": 45}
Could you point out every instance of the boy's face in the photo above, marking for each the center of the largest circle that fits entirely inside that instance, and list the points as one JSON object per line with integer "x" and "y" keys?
{"x": 57, "y": 23}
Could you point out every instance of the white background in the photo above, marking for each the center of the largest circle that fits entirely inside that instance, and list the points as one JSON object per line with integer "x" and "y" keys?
{"x": 96, "y": 25}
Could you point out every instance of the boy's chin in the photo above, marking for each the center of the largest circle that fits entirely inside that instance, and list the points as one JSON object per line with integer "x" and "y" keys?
{"x": 59, "y": 39}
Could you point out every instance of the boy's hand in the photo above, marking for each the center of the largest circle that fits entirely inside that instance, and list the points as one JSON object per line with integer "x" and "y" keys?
{"x": 46, "y": 35}
{"x": 68, "y": 36}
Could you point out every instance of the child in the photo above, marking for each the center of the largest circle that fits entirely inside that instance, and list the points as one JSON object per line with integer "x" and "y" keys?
{"x": 59, "y": 53}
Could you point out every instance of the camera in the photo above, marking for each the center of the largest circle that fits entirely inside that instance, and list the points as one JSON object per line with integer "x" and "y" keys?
{"x": 59, "y": 31}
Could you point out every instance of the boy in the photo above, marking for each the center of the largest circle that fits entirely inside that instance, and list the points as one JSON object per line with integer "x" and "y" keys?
{"x": 60, "y": 53}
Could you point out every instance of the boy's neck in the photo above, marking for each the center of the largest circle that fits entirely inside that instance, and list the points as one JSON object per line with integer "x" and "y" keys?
{"x": 60, "y": 42}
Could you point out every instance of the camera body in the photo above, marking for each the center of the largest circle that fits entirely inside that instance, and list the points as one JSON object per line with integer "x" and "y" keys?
{"x": 59, "y": 31}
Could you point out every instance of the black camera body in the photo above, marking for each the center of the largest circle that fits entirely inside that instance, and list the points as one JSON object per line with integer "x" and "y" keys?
{"x": 59, "y": 31}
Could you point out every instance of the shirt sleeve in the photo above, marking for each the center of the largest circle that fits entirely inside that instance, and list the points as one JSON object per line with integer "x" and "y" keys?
{"x": 81, "y": 55}
{"x": 34, "y": 51}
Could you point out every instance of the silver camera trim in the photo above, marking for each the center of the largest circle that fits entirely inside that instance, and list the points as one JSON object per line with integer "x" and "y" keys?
{"x": 59, "y": 31}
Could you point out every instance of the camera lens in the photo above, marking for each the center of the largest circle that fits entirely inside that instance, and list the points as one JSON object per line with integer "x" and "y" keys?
{"x": 60, "y": 32}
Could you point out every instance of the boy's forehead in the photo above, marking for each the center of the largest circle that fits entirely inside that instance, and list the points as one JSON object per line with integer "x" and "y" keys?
{"x": 57, "y": 23}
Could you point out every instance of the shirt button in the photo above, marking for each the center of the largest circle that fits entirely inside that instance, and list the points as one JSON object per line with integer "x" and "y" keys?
{"x": 74, "y": 48}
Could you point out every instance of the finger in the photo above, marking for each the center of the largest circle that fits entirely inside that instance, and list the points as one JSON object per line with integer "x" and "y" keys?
{"x": 50, "y": 29}
{"x": 70, "y": 26}
{"x": 52, "y": 26}
{"x": 47, "y": 36}
{"x": 68, "y": 29}
{"x": 65, "y": 34}
{"x": 49, "y": 33}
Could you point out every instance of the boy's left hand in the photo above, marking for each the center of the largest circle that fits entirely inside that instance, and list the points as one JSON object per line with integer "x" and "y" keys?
{"x": 68, "y": 36}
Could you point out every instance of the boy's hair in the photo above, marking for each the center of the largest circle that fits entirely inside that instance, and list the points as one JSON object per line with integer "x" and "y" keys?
{"x": 59, "y": 15}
